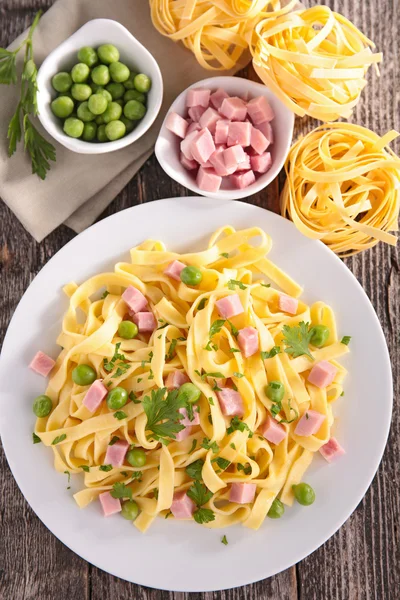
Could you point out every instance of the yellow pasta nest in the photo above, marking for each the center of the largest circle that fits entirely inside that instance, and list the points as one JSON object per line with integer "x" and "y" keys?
{"x": 314, "y": 60}
{"x": 342, "y": 187}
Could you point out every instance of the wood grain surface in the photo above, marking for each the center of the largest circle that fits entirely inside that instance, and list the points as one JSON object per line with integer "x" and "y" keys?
{"x": 362, "y": 560}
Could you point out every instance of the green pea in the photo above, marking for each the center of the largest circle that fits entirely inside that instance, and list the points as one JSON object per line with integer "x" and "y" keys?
{"x": 84, "y": 113}
{"x": 97, "y": 104}
{"x": 136, "y": 457}
{"x": 134, "y": 110}
{"x": 95, "y": 87}
{"x": 88, "y": 56}
{"x": 80, "y": 73}
{"x": 115, "y": 130}
{"x": 120, "y": 102}
{"x": 89, "y": 132}
{"x": 116, "y": 90}
{"x": 130, "y": 510}
{"x": 127, "y": 330}
{"x": 84, "y": 374}
{"x": 130, "y": 82}
{"x": 119, "y": 72}
{"x": 62, "y": 107}
{"x": 142, "y": 83}
{"x": 112, "y": 112}
{"x": 190, "y": 275}
{"x": 275, "y": 391}
{"x": 189, "y": 393}
{"x": 100, "y": 120}
{"x": 106, "y": 95}
{"x": 117, "y": 398}
{"x": 277, "y": 509}
{"x": 81, "y": 91}
{"x": 320, "y": 335}
{"x": 304, "y": 494}
{"x": 42, "y": 406}
{"x": 108, "y": 53}
{"x": 62, "y": 82}
{"x": 100, "y": 75}
{"x": 134, "y": 95}
{"x": 101, "y": 133}
{"x": 73, "y": 127}
{"x": 129, "y": 125}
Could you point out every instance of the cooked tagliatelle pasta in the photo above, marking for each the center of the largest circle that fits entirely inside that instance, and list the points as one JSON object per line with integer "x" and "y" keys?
{"x": 194, "y": 385}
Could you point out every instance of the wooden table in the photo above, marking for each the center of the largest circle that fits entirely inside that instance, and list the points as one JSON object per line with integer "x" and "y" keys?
{"x": 362, "y": 560}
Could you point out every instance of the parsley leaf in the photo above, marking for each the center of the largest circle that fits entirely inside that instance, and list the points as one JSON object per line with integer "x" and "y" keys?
{"x": 203, "y": 515}
{"x": 297, "y": 339}
{"x": 8, "y": 71}
{"x": 105, "y": 468}
{"x": 271, "y": 353}
{"x": 137, "y": 475}
{"x": 216, "y": 327}
{"x": 68, "y": 474}
{"x": 233, "y": 446}
{"x": 224, "y": 541}
{"x": 238, "y": 425}
{"x": 234, "y": 349}
{"x": 267, "y": 285}
{"x": 195, "y": 468}
{"x": 223, "y": 463}
{"x": 120, "y": 414}
{"x": 84, "y": 468}
{"x": 345, "y": 340}
{"x": 162, "y": 326}
{"x": 163, "y": 414}
{"x": 171, "y": 350}
{"x": 120, "y": 490}
{"x": 202, "y": 304}
{"x": 210, "y": 446}
{"x": 199, "y": 493}
{"x": 123, "y": 366}
{"x": 58, "y": 439}
{"x": 224, "y": 254}
{"x": 291, "y": 409}
{"x": 215, "y": 375}
{"x": 232, "y": 283}
{"x": 132, "y": 396}
{"x": 114, "y": 440}
{"x": 211, "y": 401}
{"x": 211, "y": 346}
{"x": 238, "y": 375}
{"x": 104, "y": 295}
{"x": 245, "y": 468}
{"x": 193, "y": 448}
{"x": 36, "y": 439}
{"x": 234, "y": 330}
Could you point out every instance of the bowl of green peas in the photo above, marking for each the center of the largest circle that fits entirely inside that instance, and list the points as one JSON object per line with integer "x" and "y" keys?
{"x": 100, "y": 90}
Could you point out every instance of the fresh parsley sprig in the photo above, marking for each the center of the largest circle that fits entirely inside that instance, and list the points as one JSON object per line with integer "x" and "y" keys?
{"x": 120, "y": 490}
{"x": 163, "y": 416}
{"x": 200, "y": 496}
{"x": 232, "y": 283}
{"x": 297, "y": 339}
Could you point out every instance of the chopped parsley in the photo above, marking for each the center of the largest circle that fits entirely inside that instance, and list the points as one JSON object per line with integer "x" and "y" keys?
{"x": 200, "y": 496}
{"x": 233, "y": 446}
{"x": 211, "y": 346}
{"x": 105, "y": 468}
{"x": 224, "y": 540}
{"x": 169, "y": 513}
{"x": 210, "y": 446}
{"x": 155, "y": 493}
{"x": 277, "y": 407}
{"x": 68, "y": 474}
{"x": 238, "y": 425}
{"x": 193, "y": 448}
{"x": 216, "y": 327}
{"x": 267, "y": 285}
{"x": 211, "y": 401}
{"x": 195, "y": 468}
{"x": 36, "y": 439}
{"x": 297, "y": 339}
{"x": 120, "y": 490}
{"x": 223, "y": 463}
{"x": 108, "y": 365}
{"x": 224, "y": 254}
{"x": 163, "y": 416}
{"x": 104, "y": 295}
{"x": 137, "y": 475}
{"x": 114, "y": 440}
{"x": 245, "y": 468}
{"x": 238, "y": 375}
{"x": 84, "y": 468}
{"x": 342, "y": 394}
{"x": 215, "y": 387}
{"x": 120, "y": 414}
{"x": 271, "y": 353}
{"x": 202, "y": 304}
{"x": 345, "y": 340}
{"x": 232, "y": 283}
{"x": 234, "y": 330}
{"x": 162, "y": 326}
{"x": 132, "y": 396}
{"x": 58, "y": 439}
{"x": 171, "y": 351}
{"x": 214, "y": 375}
{"x": 234, "y": 349}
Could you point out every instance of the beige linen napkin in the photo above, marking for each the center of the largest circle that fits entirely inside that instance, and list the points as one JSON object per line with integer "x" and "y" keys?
{"x": 79, "y": 187}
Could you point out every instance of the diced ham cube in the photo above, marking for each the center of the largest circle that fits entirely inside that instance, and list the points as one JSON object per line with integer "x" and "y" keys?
{"x": 310, "y": 423}
{"x": 183, "y": 434}
{"x": 231, "y": 402}
{"x": 134, "y": 299}
{"x": 244, "y": 166}
{"x": 208, "y": 180}
{"x": 233, "y": 156}
{"x": 248, "y": 341}
{"x": 186, "y": 421}
{"x": 175, "y": 379}
{"x": 207, "y": 165}
{"x": 221, "y": 131}
{"x": 261, "y": 164}
{"x": 193, "y": 126}
{"x": 186, "y": 144}
{"x": 116, "y": 453}
{"x": 203, "y": 146}
{"x": 218, "y": 162}
{"x": 229, "y": 306}
{"x": 209, "y": 119}
{"x": 288, "y": 304}
{"x": 266, "y": 130}
{"x": 218, "y": 97}
{"x": 198, "y": 97}
{"x": 189, "y": 165}
{"x": 240, "y": 133}
{"x": 182, "y": 506}
{"x": 95, "y": 395}
{"x": 42, "y": 364}
{"x": 259, "y": 110}
{"x": 109, "y": 504}
{"x": 273, "y": 431}
{"x": 196, "y": 112}
{"x": 322, "y": 374}
{"x": 243, "y": 180}
{"x": 234, "y": 109}
{"x": 242, "y": 493}
{"x": 175, "y": 269}
{"x": 258, "y": 141}
{"x": 332, "y": 450}
{"x": 177, "y": 124}
{"x": 145, "y": 321}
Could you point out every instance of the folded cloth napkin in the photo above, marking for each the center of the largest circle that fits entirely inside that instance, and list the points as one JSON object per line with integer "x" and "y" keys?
{"x": 79, "y": 187}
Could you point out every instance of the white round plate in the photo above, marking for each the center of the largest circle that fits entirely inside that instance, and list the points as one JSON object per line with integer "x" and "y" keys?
{"x": 182, "y": 556}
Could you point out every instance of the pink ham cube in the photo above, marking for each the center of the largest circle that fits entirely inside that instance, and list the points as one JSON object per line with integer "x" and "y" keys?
{"x": 177, "y": 124}
{"x": 175, "y": 379}
{"x": 242, "y": 493}
{"x": 196, "y": 112}
{"x": 175, "y": 269}
{"x": 266, "y": 130}
{"x": 332, "y": 450}
{"x": 95, "y": 395}
{"x": 145, "y": 321}
{"x": 261, "y": 163}
{"x": 42, "y": 364}
{"x": 189, "y": 165}
{"x": 233, "y": 156}
{"x": 217, "y": 98}
{"x": 202, "y": 146}
{"x": 322, "y": 374}
{"x": 259, "y": 110}
{"x": 229, "y": 306}
{"x": 208, "y": 180}
{"x": 221, "y": 131}
{"x": 243, "y": 180}
{"x": 115, "y": 454}
{"x": 310, "y": 423}
{"x": 230, "y": 402}
{"x": 258, "y": 141}
{"x": 273, "y": 431}
{"x": 109, "y": 504}
{"x": 218, "y": 162}
{"x": 244, "y": 166}
{"x": 248, "y": 341}
{"x": 209, "y": 119}
{"x": 134, "y": 299}
{"x": 186, "y": 144}
{"x": 288, "y": 304}
{"x": 198, "y": 97}
{"x": 239, "y": 133}
{"x": 233, "y": 109}
{"x": 182, "y": 506}
{"x": 194, "y": 126}
{"x": 186, "y": 421}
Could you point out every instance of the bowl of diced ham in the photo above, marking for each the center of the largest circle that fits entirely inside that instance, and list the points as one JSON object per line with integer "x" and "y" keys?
{"x": 225, "y": 137}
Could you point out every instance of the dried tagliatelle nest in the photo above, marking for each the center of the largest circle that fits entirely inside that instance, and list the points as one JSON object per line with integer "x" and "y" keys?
{"x": 342, "y": 187}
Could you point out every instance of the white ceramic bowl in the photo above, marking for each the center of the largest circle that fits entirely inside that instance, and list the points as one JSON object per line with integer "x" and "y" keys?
{"x": 94, "y": 33}
{"x": 167, "y": 145}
